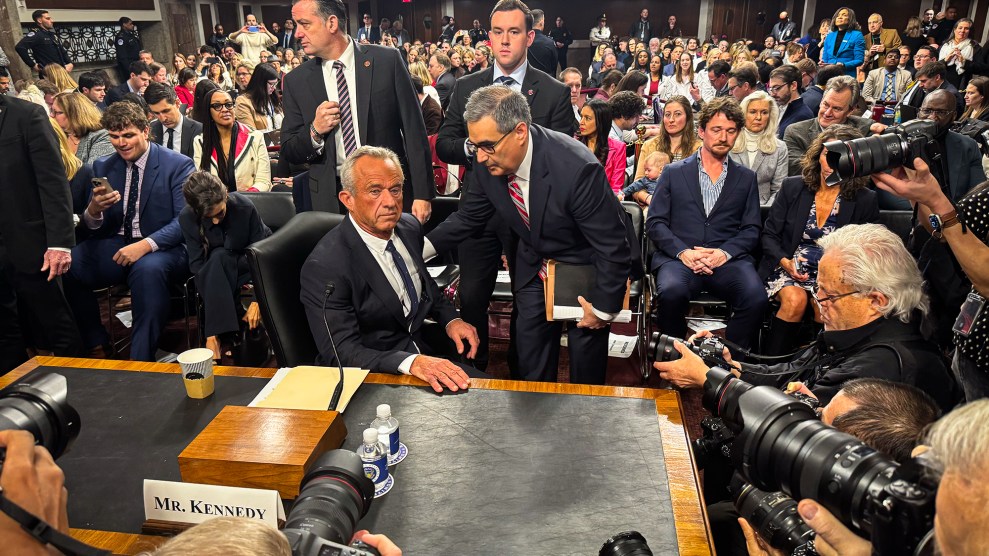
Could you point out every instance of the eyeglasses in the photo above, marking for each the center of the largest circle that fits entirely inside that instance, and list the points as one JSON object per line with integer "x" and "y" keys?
{"x": 777, "y": 88}
{"x": 925, "y": 112}
{"x": 489, "y": 148}
{"x": 222, "y": 106}
{"x": 832, "y": 298}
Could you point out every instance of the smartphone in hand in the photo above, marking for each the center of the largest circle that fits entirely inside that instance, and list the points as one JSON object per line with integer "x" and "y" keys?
{"x": 103, "y": 182}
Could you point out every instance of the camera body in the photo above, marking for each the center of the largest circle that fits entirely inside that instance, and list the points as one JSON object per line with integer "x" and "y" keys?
{"x": 781, "y": 445}
{"x": 710, "y": 349}
{"x": 896, "y": 146}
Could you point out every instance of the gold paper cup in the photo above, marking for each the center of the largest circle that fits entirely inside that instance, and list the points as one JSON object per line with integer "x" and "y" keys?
{"x": 197, "y": 372}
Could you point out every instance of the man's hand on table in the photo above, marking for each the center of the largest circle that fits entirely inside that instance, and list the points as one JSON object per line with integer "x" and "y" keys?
{"x": 31, "y": 480}
{"x": 439, "y": 373}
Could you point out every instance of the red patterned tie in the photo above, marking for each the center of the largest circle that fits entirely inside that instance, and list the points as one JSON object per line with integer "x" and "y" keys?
{"x": 515, "y": 192}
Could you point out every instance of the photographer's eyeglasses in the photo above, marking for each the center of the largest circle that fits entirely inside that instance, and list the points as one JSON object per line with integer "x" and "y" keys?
{"x": 488, "y": 148}
{"x": 925, "y": 112}
{"x": 221, "y": 106}
{"x": 832, "y": 298}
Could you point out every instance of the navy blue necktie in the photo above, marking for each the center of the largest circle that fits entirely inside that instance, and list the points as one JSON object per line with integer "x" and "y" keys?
{"x": 133, "y": 193}
{"x": 403, "y": 270}
{"x": 505, "y": 80}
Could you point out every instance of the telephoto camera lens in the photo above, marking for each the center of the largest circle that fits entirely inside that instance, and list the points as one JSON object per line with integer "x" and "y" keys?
{"x": 39, "y": 404}
{"x": 897, "y": 146}
{"x": 774, "y": 516}
{"x": 335, "y": 495}
{"x": 661, "y": 348}
{"x": 629, "y": 543}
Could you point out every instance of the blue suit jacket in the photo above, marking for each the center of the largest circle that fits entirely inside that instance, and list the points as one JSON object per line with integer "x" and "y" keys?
{"x": 851, "y": 52}
{"x": 161, "y": 195}
{"x": 574, "y": 216}
{"x": 795, "y": 112}
{"x": 676, "y": 215}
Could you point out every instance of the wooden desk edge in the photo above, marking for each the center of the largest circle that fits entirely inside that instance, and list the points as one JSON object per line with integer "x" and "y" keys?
{"x": 690, "y": 516}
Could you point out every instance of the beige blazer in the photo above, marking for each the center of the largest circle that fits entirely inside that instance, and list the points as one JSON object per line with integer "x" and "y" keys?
{"x": 252, "y": 167}
{"x": 246, "y": 114}
{"x": 873, "y": 87}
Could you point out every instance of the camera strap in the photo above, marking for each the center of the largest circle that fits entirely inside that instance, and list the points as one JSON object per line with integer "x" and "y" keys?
{"x": 45, "y": 533}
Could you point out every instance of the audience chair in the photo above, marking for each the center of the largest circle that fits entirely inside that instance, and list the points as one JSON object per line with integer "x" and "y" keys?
{"x": 641, "y": 291}
{"x": 276, "y": 208}
{"x": 445, "y": 266}
{"x": 276, "y": 263}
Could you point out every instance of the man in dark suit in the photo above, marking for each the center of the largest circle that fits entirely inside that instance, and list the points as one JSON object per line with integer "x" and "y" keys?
{"x": 562, "y": 39}
{"x": 785, "y": 30}
{"x": 368, "y": 32}
{"x": 542, "y": 52}
{"x": 377, "y": 301}
{"x": 932, "y": 77}
{"x": 172, "y": 129}
{"x": 369, "y": 74}
{"x": 555, "y": 198}
{"x": 128, "y": 45}
{"x": 704, "y": 222}
{"x": 140, "y": 76}
{"x": 784, "y": 87}
{"x": 286, "y": 37}
{"x": 439, "y": 69}
{"x": 137, "y": 241}
{"x": 36, "y": 234}
{"x": 549, "y": 104}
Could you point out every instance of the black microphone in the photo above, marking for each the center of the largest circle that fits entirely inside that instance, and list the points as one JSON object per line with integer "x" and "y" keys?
{"x": 338, "y": 391}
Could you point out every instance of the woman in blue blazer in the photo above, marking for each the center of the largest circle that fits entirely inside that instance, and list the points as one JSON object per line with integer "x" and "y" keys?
{"x": 845, "y": 44}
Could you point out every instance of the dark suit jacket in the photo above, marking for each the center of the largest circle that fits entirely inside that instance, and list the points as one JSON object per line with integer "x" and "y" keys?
{"x": 396, "y": 123}
{"x": 574, "y": 216}
{"x": 190, "y": 129}
{"x": 965, "y": 164}
{"x": 374, "y": 36}
{"x": 242, "y": 226}
{"x": 363, "y": 311}
{"x": 161, "y": 195}
{"x": 787, "y": 218}
{"x": 798, "y": 137}
{"x": 795, "y": 112}
{"x": 542, "y": 53}
{"x": 444, "y": 87}
{"x": 35, "y": 201}
{"x": 549, "y": 102}
{"x": 676, "y": 215}
{"x": 292, "y": 42}
{"x": 116, "y": 93}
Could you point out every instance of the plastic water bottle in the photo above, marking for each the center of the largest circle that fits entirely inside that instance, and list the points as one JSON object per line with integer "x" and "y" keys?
{"x": 375, "y": 458}
{"x": 387, "y": 427}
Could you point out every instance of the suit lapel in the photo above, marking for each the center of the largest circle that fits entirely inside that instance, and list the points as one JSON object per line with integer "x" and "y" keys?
{"x": 368, "y": 268}
{"x": 406, "y": 235}
{"x": 846, "y": 212}
{"x": 540, "y": 187}
{"x": 804, "y": 202}
{"x": 187, "y": 134}
{"x": 3, "y": 113}
{"x": 728, "y": 189}
{"x": 530, "y": 84}
{"x": 363, "y": 71}
{"x": 691, "y": 170}
{"x": 150, "y": 176}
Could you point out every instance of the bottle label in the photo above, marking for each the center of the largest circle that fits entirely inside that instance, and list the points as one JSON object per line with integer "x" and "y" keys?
{"x": 377, "y": 470}
{"x": 393, "y": 441}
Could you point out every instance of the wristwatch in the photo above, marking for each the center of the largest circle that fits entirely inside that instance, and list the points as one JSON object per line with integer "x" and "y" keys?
{"x": 939, "y": 223}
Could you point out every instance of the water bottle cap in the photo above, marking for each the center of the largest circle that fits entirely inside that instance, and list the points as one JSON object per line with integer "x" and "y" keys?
{"x": 384, "y": 411}
{"x": 370, "y": 436}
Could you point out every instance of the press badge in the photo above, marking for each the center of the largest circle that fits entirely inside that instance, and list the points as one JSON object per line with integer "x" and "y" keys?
{"x": 970, "y": 311}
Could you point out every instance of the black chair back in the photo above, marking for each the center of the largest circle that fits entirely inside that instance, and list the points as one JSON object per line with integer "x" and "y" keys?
{"x": 898, "y": 222}
{"x": 276, "y": 263}
{"x": 300, "y": 192}
{"x": 275, "y": 207}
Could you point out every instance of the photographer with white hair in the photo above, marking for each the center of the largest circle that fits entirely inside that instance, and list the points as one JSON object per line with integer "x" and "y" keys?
{"x": 870, "y": 293}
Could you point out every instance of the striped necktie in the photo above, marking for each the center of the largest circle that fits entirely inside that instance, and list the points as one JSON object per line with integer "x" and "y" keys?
{"x": 346, "y": 116}
{"x": 889, "y": 89}
{"x": 515, "y": 192}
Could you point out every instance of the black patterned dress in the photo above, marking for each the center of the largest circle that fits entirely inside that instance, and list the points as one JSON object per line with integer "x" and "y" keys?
{"x": 808, "y": 249}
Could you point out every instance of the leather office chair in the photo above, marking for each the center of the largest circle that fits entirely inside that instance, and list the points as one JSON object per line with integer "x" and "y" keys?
{"x": 276, "y": 208}
{"x": 898, "y": 222}
{"x": 641, "y": 292}
{"x": 275, "y": 266}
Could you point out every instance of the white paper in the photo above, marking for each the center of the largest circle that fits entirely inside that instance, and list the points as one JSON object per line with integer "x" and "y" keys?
{"x": 503, "y": 277}
{"x": 435, "y": 271}
{"x": 621, "y": 346}
{"x": 712, "y": 325}
{"x": 126, "y": 317}
{"x": 566, "y": 312}
{"x": 195, "y": 503}
{"x": 349, "y": 377}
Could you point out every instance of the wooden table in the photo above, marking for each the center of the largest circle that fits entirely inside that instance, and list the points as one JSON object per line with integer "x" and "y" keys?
{"x": 692, "y": 529}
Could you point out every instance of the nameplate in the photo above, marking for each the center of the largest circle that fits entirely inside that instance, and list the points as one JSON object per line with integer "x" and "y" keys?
{"x": 191, "y": 503}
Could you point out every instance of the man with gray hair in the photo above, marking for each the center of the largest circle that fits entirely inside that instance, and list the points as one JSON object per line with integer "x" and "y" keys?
{"x": 871, "y": 298}
{"x": 367, "y": 283}
{"x": 840, "y": 96}
{"x": 554, "y": 196}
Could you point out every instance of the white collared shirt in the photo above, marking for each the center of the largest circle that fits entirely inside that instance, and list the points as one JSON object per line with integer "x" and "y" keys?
{"x": 177, "y": 138}
{"x": 330, "y": 81}
{"x": 377, "y": 247}
{"x": 518, "y": 75}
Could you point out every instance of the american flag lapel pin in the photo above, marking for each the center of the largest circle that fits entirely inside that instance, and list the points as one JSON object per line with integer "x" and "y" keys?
{"x": 530, "y": 92}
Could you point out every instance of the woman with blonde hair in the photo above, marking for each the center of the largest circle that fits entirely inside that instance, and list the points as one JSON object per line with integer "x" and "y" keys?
{"x": 178, "y": 64}
{"x": 912, "y": 35}
{"x": 683, "y": 80}
{"x": 482, "y": 58}
{"x": 419, "y": 70}
{"x": 80, "y": 175}
{"x": 58, "y": 75}
{"x": 80, "y": 121}
{"x": 957, "y": 51}
{"x": 757, "y": 147}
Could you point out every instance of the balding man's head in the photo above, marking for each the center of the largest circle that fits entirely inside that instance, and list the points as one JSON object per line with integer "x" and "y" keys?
{"x": 939, "y": 106}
